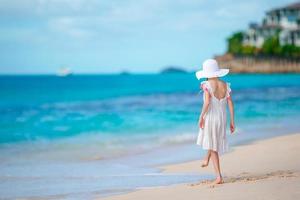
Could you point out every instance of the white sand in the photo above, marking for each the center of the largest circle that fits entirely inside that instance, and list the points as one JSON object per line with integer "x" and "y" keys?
{"x": 268, "y": 169}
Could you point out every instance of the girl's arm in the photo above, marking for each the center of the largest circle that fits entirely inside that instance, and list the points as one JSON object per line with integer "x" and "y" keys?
{"x": 204, "y": 108}
{"x": 231, "y": 110}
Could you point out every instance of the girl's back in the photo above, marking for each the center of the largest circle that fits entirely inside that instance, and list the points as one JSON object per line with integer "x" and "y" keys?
{"x": 219, "y": 88}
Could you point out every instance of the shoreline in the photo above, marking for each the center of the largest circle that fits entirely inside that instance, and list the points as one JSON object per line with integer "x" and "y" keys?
{"x": 260, "y": 174}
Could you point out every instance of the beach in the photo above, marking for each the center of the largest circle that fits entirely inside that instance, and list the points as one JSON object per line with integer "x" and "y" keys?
{"x": 266, "y": 169}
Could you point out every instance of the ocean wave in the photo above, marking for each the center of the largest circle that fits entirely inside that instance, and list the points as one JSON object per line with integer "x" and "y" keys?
{"x": 178, "y": 139}
{"x": 94, "y": 146}
{"x": 124, "y": 102}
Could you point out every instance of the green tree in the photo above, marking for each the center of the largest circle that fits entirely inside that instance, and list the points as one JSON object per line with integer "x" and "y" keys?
{"x": 289, "y": 50}
{"x": 271, "y": 46}
{"x": 248, "y": 50}
{"x": 235, "y": 43}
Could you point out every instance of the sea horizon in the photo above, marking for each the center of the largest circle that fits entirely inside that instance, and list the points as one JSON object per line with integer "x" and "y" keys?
{"x": 137, "y": 73}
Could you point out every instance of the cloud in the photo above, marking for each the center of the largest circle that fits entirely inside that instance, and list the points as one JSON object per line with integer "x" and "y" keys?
{"x": 81, "y": 16}
{"x": 87, "y": 19}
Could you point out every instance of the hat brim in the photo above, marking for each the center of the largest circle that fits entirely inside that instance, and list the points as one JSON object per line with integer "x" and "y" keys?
{"x": 221, "y": 72}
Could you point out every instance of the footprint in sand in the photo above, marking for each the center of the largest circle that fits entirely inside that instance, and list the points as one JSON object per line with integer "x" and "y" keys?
{"x": 245, "y": 177}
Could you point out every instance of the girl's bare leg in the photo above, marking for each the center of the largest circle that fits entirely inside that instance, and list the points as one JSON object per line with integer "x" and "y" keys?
{"x": 215, "y": 159}
{"x": 206, "y": 159}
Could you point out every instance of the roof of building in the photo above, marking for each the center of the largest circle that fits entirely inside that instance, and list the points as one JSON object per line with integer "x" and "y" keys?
{"x": 293, "y": 6}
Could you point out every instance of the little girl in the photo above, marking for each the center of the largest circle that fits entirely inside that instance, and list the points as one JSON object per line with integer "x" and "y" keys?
{"x": 212, "y": 120}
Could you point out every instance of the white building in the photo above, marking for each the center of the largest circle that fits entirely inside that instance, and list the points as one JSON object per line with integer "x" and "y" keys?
{"x": 285, "y": 21}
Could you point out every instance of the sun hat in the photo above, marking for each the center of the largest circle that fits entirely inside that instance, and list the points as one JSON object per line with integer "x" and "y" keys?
{"x": 210, "y": 68}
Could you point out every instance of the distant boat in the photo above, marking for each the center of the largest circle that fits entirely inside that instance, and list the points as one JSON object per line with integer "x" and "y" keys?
{"x": 64, "y": 71}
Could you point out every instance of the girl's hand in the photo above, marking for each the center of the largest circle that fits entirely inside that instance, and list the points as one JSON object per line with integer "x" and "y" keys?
{"x": 232, "y": 126}
{"x": 201, "y": 122}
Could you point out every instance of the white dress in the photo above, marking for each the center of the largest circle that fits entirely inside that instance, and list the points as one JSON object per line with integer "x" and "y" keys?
{"x": 213, "y": 135}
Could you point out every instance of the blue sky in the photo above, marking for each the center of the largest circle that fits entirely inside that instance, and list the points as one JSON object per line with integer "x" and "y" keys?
{"x": 109, "y": 36}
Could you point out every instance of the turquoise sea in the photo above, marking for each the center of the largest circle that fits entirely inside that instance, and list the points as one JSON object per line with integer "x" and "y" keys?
{"x": 87, "y": 136}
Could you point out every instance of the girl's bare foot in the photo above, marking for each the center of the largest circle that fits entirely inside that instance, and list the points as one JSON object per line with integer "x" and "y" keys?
{"x": 219, "y": 180}
{"x": 205, "y": 163}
